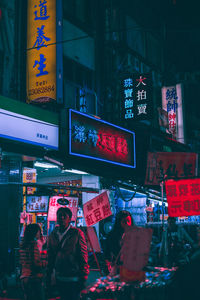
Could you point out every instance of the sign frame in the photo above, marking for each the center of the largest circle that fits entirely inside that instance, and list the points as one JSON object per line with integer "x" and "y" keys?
{"x": 116, "y": 127}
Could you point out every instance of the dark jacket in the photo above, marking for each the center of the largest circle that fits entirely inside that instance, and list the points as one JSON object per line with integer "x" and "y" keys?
{"x": 70, "y": 257}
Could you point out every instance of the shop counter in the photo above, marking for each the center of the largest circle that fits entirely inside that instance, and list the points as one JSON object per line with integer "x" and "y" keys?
{"x": 154, "y": 287}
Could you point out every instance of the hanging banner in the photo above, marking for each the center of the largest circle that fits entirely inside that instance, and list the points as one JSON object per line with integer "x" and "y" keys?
{"x": 54, "y": 206}
{"x": 170, "y": 164}
{"x": 41, "y": 51}
{"x": 183, "y": 197}
{"x": 97, "y": 209}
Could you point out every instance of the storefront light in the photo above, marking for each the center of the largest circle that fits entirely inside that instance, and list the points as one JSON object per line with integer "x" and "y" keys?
{"x": 44, "y": 165}
{"x": 74, "y": 171}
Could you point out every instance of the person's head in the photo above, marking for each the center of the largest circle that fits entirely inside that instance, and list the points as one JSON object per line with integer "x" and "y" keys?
{"x": 32, "y": 232}
{"x": 123, "y": 220}
{"x": 171, "y": 222}
{"x": 64, "y": 216}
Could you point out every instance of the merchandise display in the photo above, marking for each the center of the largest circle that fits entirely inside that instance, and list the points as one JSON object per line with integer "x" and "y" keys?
{"x": 156, "y": 282}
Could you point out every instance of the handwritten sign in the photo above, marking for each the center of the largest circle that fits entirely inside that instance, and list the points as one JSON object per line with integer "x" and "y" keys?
{"x": 183, "y": 197}
{"x": 97, "y": 209}
{"x": 135, "y": 248}
{"x": 172, "y": 164}
{"x": 54, "y": 206}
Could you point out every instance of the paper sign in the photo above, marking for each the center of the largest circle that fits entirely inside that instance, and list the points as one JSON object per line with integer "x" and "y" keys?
{"x": 183, "y": 197}
{"x": 54, "y": 206}
{"x": 97, "y": 209}
{"x": 135, "y": 248}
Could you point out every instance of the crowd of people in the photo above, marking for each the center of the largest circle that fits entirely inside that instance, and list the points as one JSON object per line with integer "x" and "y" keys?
{"x": 66, "y": 266}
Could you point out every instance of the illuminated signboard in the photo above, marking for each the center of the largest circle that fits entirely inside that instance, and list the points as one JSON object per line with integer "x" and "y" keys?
{"x": 41, "y": 51}
{"x": 37, "y": 204}
{"x": 136, "y": 97}
{"x": 28, "y": 130}
{"x": 96, "y": 139}
{"x": 172, "y": 104}
{"x": 183, "y": 197}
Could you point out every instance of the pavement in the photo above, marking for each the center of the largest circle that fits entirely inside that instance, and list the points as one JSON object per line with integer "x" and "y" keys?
{"x": 14, "y": 291}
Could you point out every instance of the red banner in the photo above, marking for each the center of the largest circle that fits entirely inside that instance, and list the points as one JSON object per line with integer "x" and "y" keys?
{"x": 97, "y": 209}
{"x": 183, "y": 197}
{"x": 172, "y": 164}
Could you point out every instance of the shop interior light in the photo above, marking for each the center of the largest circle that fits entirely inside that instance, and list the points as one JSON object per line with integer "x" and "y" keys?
{"x": 74, "y": 171}
{"x": 44, "y": 165}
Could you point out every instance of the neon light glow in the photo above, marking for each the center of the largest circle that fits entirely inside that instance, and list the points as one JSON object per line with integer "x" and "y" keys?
{"x": 99, "y": 140}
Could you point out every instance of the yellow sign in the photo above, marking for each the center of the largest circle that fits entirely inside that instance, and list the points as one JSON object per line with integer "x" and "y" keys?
{"x": 41, "y": 51}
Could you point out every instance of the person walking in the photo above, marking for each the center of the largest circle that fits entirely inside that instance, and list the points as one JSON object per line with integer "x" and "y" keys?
{"x": 32, "y": 269}
{"x": 67, "y": 257}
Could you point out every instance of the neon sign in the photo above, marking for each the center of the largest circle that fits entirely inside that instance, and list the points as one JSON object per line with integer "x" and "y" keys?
{"x": 99, "y": 140}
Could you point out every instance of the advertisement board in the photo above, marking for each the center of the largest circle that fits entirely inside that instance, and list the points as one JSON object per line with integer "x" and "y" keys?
{"x": 170, "y": 165}
{"x": 41, "y": 51}
{"x": 54, "y": 206}
{"x": 36, "y": 204}
{"x": 97, "y": 209}
{"x": 96, "y": 139}
{"x": 183, "y": 197}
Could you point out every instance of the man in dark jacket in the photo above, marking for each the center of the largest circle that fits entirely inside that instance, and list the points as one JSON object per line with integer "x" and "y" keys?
{"x": 67, "y": 257}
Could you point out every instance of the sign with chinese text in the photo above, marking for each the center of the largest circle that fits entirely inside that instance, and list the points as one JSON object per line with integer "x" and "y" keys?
{"x": 172, "y": 104}
{"x": 28, "y": 130}
{"x": 183, "y": 197}
{"x": 137, "y": 97}
{"x": 37, "y": 204}
{"x": 29, "y": 176}
{"x": 96, "y": 139}
{"x": 41, "y": 51}
{"x": 97, "y": 209}
{"x": 54, "y": 206}
{"x": 171, "y": 164}
{"x": 135, "y": 248}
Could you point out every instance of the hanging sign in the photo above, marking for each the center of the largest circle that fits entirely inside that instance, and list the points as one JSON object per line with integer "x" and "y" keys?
{"x": 54, "y": 206}
{"x": 41, "y": 52}
{"x": 170, "y": 164}
{"x": 97, "y": 209}
{"x": 183, "y": 197}
{"x": 96, "y": 139}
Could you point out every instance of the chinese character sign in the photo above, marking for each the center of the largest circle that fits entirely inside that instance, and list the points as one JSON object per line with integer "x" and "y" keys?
{"x": 172, "y": 104}
{"x": 135, "y": 248}
{"x": 183, "y": 197}
{"x": 41, "y": 51}
{"x": 97, "y": 209}
{"x": 171, "y": 164}
{"x": 136, "y": 97}
{"x": 96, "y": 139}
{"x": 54, "y": 206}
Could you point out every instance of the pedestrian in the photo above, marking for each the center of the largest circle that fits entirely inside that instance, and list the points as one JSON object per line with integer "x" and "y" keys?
{"x": 32, "y": 268}
{"x": 67, "y": 257}
{"x": 173, "y": 239}
{"x": 113, "y": 244}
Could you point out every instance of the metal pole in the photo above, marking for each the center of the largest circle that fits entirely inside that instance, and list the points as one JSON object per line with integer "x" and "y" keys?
{"x": 162, "y": 195}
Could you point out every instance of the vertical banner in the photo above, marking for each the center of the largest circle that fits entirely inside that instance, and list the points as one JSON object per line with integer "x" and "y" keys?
{"x": 41, "y": 51}
{"x": 136, "y": 97}
{"x": 172, "y": 104}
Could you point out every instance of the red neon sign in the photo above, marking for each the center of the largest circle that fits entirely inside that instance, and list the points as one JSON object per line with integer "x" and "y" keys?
{"x": 183, "y": 197}
{"x": 99, "y": 140}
